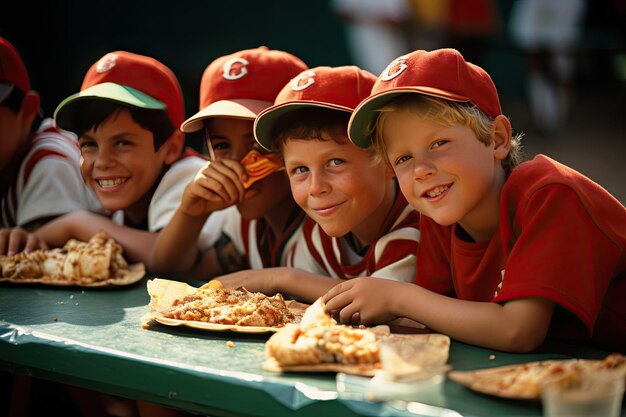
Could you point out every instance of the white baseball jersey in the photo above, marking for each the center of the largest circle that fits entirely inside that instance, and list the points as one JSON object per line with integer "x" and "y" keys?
{"x": 49, "y": 182}
{"x": 250, "y": 237}
{"x": 392, "y": 255}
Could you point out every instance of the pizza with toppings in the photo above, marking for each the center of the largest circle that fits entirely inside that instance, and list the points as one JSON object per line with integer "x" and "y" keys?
{"x": 259, "y": 166}
{"x": 319, "y": 343}
{"x": 213, "y": 307}
{"x": 524, "y": 381}
{"x": 99, "y": 261}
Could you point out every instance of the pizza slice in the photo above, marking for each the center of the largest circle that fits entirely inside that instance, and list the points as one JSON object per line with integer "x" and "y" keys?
{"x": 524, "y": 381}
{"x": 98, "y": 260}
{"x": 319, "y": 343}
{"x": 259, "y": 166}
{"x": 214, "y": 304}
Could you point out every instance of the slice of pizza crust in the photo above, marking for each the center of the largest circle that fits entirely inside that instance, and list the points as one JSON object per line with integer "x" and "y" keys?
{"x": 524, "y": 381}
{"x": 97, "y": 262}
{"x": 259, "y": 166}
{"x": 212, "y": 307}
{"x": 319, "y": 344}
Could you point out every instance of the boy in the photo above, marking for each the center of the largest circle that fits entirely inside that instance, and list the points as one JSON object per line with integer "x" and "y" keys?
{"x": 39, "y": 170}
{"x": 529, "y": 252}
{"x": 126, "y": 117}
{"x": 359, "y": 223}
{"x": 260, "y": 224}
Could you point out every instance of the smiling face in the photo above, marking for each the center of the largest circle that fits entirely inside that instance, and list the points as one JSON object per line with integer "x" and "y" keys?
{"x": 445, "y": 172}
{"x": 340, "y": 186}
{"x": 234, "y": 138}
{"x": 120, "y": 164}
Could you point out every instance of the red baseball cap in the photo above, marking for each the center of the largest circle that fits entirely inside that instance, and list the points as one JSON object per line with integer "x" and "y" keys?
{"x": 336, "y": 88}
{"x": 242, "y": 84}
{"x": 12, "y": 70}
{"x": 129, "y": 79}
{"x": 442, "y": 73}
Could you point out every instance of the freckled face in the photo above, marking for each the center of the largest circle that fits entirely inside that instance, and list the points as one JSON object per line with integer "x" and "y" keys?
{"x": 339, "y": 185}
{"x": 119, "y": 162}
{"x": 445, "y": 172}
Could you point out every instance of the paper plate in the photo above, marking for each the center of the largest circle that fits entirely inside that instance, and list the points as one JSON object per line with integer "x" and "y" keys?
{"x": 523, "y": 381}
{"x": 135, "y": 273}
{"x": 163, "y": 292}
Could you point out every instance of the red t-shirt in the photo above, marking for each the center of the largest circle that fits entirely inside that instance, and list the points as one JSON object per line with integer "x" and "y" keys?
{"x": 561, "y": 237}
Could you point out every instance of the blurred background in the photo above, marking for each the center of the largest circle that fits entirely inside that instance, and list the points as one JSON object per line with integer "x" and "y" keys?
{"x": 559, "y": 65}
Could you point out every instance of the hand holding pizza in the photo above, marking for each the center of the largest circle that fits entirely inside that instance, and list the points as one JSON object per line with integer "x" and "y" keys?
{"x": 223, "y": 182}
{"x": 259, "y": 166}
{"x": 363, "y": 300}
{"x": 218, "y": 185}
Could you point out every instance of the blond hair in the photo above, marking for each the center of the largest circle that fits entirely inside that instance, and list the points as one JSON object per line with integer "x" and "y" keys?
{"x": 447, "y": 113}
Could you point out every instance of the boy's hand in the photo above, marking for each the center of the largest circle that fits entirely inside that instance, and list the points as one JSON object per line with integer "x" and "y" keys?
{"x": 363, "y": 300}
{"x": 218, "y": 185}
{"x": 14, "y": 240}
{"x": 253, "y": 280}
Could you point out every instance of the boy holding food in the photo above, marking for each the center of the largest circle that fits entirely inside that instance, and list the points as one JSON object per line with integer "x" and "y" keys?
{"x": 510, "y": 254}
{"x": 243, "y": 185}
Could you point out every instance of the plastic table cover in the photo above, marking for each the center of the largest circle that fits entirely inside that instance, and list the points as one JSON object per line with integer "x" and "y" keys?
{"x": 93, "y": 338}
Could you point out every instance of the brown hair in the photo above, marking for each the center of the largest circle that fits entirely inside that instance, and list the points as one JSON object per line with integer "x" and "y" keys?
{"x": 310, "y": 123}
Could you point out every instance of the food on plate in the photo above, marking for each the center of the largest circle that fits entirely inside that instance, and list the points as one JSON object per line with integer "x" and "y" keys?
{"x": 174, "y": 302}
{"x": 259, "y": 166}
{"x": 95, "y": 262}
{"x": 318, "y": 343}
{"x": 524, "y": 381}
{"x": 231, "y": 306}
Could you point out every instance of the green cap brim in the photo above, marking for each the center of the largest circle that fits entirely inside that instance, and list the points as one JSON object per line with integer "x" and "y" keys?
{"x": 65, "y": 113}
{"x": 266, "y": 120}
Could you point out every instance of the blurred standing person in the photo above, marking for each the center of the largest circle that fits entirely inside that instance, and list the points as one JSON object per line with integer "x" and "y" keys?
{"x": 378, "y": 30}
{"x": 471, "y": 27}
{"x": 547, "y": 32}
{"x": 466, "y": 25}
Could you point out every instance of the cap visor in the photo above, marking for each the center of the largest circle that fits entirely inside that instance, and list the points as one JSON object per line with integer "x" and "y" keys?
{"x": 65, "y": 113}
{"x": 264, "y": 123}
{"x": 363, "y": 117}
{"x": 236, "y": 108}
{"x": 5, "y": 90}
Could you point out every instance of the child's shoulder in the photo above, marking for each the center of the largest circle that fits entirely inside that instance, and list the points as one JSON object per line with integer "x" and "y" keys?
{"x": 559, "y": 182}
{"x": 189, "y": 159}
{"x": 50, "y": 136}
{"x": 50, "y": 146}
{"x": 181, "y": 172}
{"x": 543, "y": 171}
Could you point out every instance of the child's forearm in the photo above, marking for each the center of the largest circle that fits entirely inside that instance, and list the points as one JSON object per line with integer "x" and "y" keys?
{"x": 176, "y": 248}
{"x": 83, "y": 226}
{"x": 57, "y": 232}
{"x": 517, "y": 326}
{"x": 304, "y": 286}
